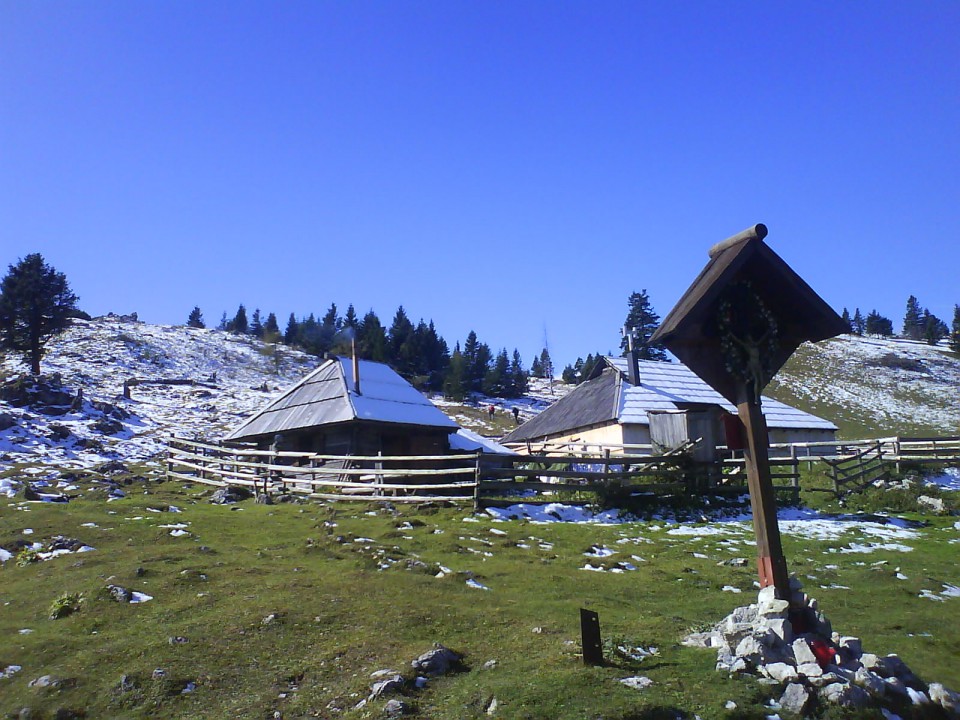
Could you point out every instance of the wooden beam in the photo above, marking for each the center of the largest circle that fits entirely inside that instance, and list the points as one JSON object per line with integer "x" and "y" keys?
{"x": 771, "y": 562}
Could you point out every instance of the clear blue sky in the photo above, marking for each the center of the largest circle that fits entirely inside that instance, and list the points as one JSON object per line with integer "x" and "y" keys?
{"x": 512, "y": 168}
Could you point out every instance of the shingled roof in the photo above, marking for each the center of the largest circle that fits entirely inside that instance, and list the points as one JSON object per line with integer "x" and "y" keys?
{"x": 327, "y": 397}
{"x": 594, "y": 402}
{"x": 609, "y": 397}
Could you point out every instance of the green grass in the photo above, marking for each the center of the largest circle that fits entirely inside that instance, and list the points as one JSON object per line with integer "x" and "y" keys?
{"x": 340, "y": 617}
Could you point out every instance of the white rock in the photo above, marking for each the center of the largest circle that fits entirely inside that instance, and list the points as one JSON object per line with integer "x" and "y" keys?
{"x": 845, "y": 695}
{"x": 828, "y": 678}
{"x": 810, "y": 670}
{"x": 775, "y": 608}
{"x": 802, "y": 652}
{"x": 637, "y": 682}
{"x": 870, "y": 682}
{"x": 794, "y": 699}
{"x": 917, "y": 697}
{"x": 749, "y": 647}
{"x": 947, "y": 699}
{"x": 781, "y": 628}
{"x": 766, "y": 595}
{"x": 782, "y": 672}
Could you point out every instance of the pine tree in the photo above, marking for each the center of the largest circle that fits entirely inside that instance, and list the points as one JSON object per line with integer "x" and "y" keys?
{"x": 372, "y": 338}
{"x": 536, "y": 369}
{"x": 913, "y": 325}
{"x": 955, "y": 330}
{"x": 271, "y": 327}
{"x": 497, "y": 378}
{"x": 256, "y": 324}
{"x": 518, "y": 376}
{"x": 934, "y": 329}
{"x": 308, "y": 335}
{"x": 292, "y": 332}
{"x": 858, "y": 324}
{"x": 846, "y": 319}
{"x": 546, "y": 364}
{"x": 643, "y": 322}
{"x": 455, "y": 381}
{"x": 877, "y": 324}
{"x": 434, "y": 353}
{"x": 569, "y": 374}
{"x": 350, "y": 319}
{"x": 477, "y": 356}
{"x": 239, "y": 323}
{"x": 36, "y": 303}
{"x": 196, "y": 318}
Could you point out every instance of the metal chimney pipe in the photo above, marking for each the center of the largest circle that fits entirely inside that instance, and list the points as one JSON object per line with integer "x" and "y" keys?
{"x": 633, "y": 367}
{"x": 356, "y": 365}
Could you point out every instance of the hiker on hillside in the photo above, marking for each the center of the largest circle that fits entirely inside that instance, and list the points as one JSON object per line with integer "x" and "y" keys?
{"x": 491, "y": 410}
{"x": 516, "y": 415}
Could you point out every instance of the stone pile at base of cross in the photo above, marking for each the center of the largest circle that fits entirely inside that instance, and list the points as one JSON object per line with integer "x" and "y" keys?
{"x": 793, "y": 644}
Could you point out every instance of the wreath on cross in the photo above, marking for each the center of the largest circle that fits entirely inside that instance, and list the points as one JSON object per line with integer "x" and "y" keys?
{"x": 749, "y": 337}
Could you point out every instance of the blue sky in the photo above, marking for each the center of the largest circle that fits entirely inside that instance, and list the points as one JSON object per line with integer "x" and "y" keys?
{"x": 513, "y": 168}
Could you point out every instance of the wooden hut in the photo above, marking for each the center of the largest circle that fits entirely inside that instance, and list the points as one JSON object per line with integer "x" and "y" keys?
{"x": 350, "y": 407}
{"x": 611, "y": 409}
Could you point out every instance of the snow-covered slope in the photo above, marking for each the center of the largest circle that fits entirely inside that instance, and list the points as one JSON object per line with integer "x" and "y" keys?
{"x": 874, "y": 387}
{"x": 235, "y": 375}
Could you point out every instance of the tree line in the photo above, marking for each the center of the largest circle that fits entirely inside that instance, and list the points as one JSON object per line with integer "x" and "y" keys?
{"x": 918, "y": 324}
{"x": 415, "y": 350}
{"x": 36, "y": 302}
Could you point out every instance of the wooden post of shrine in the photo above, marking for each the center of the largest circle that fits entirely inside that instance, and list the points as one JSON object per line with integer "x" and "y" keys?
{"x": 735, "y": 327}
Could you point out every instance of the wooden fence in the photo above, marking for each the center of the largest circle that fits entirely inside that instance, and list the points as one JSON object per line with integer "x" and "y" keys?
{"x": 859, "y": 470}
{"x": 539, "y": 477}
{"x": 483, "y": 480}
{"x": 422, "y": 478}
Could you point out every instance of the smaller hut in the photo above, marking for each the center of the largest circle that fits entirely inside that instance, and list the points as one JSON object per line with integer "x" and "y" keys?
{"x": 350, "y": 407}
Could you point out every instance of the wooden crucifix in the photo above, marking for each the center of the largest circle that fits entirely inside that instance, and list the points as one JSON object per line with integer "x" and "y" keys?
{"x": 735, "y": 327}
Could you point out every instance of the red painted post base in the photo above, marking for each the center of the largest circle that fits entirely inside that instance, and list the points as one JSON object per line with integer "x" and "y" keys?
{"x": 773, "y": 571}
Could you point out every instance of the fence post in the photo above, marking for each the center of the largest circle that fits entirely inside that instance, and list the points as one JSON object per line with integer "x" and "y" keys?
{"x": 476, "y": 483}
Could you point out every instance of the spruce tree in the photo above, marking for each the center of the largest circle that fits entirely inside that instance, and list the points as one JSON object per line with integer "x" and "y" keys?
{"x": 913, "y": 325}
{"x": 350, "y": 319}
{"x": 955, "y": 330}
{"x": 292, "y": 331}
{"x": 455, "y": 380}
{"x": 846, "y": 319}
{"x": 196, "y": 318}
{"x": 934, "y": 329}
{"x": 569, "y": 374}
{"x": 256, "y": 324}
{"x": 643, "y": 322}
{"x": 877, "y": 324}
{"x": 239, "y": 323}
{"x": 271, "y": 327}
{"x": 224, "y": 323}
{"x": 308, "y": 335}
{"x": 372, "y": 338}
{"x": 498, "y": 376}
{"x": 536, "y": 369}
{"x": 859, "y": 325}
{"x": 546, "y": 364}
{"x": 518, "y": 376}
{"x": 36, "y": 303}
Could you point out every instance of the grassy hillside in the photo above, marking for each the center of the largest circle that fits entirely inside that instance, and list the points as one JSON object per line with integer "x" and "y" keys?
{"x": 871, "y": 387}
{"x": 286, "y": 611}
